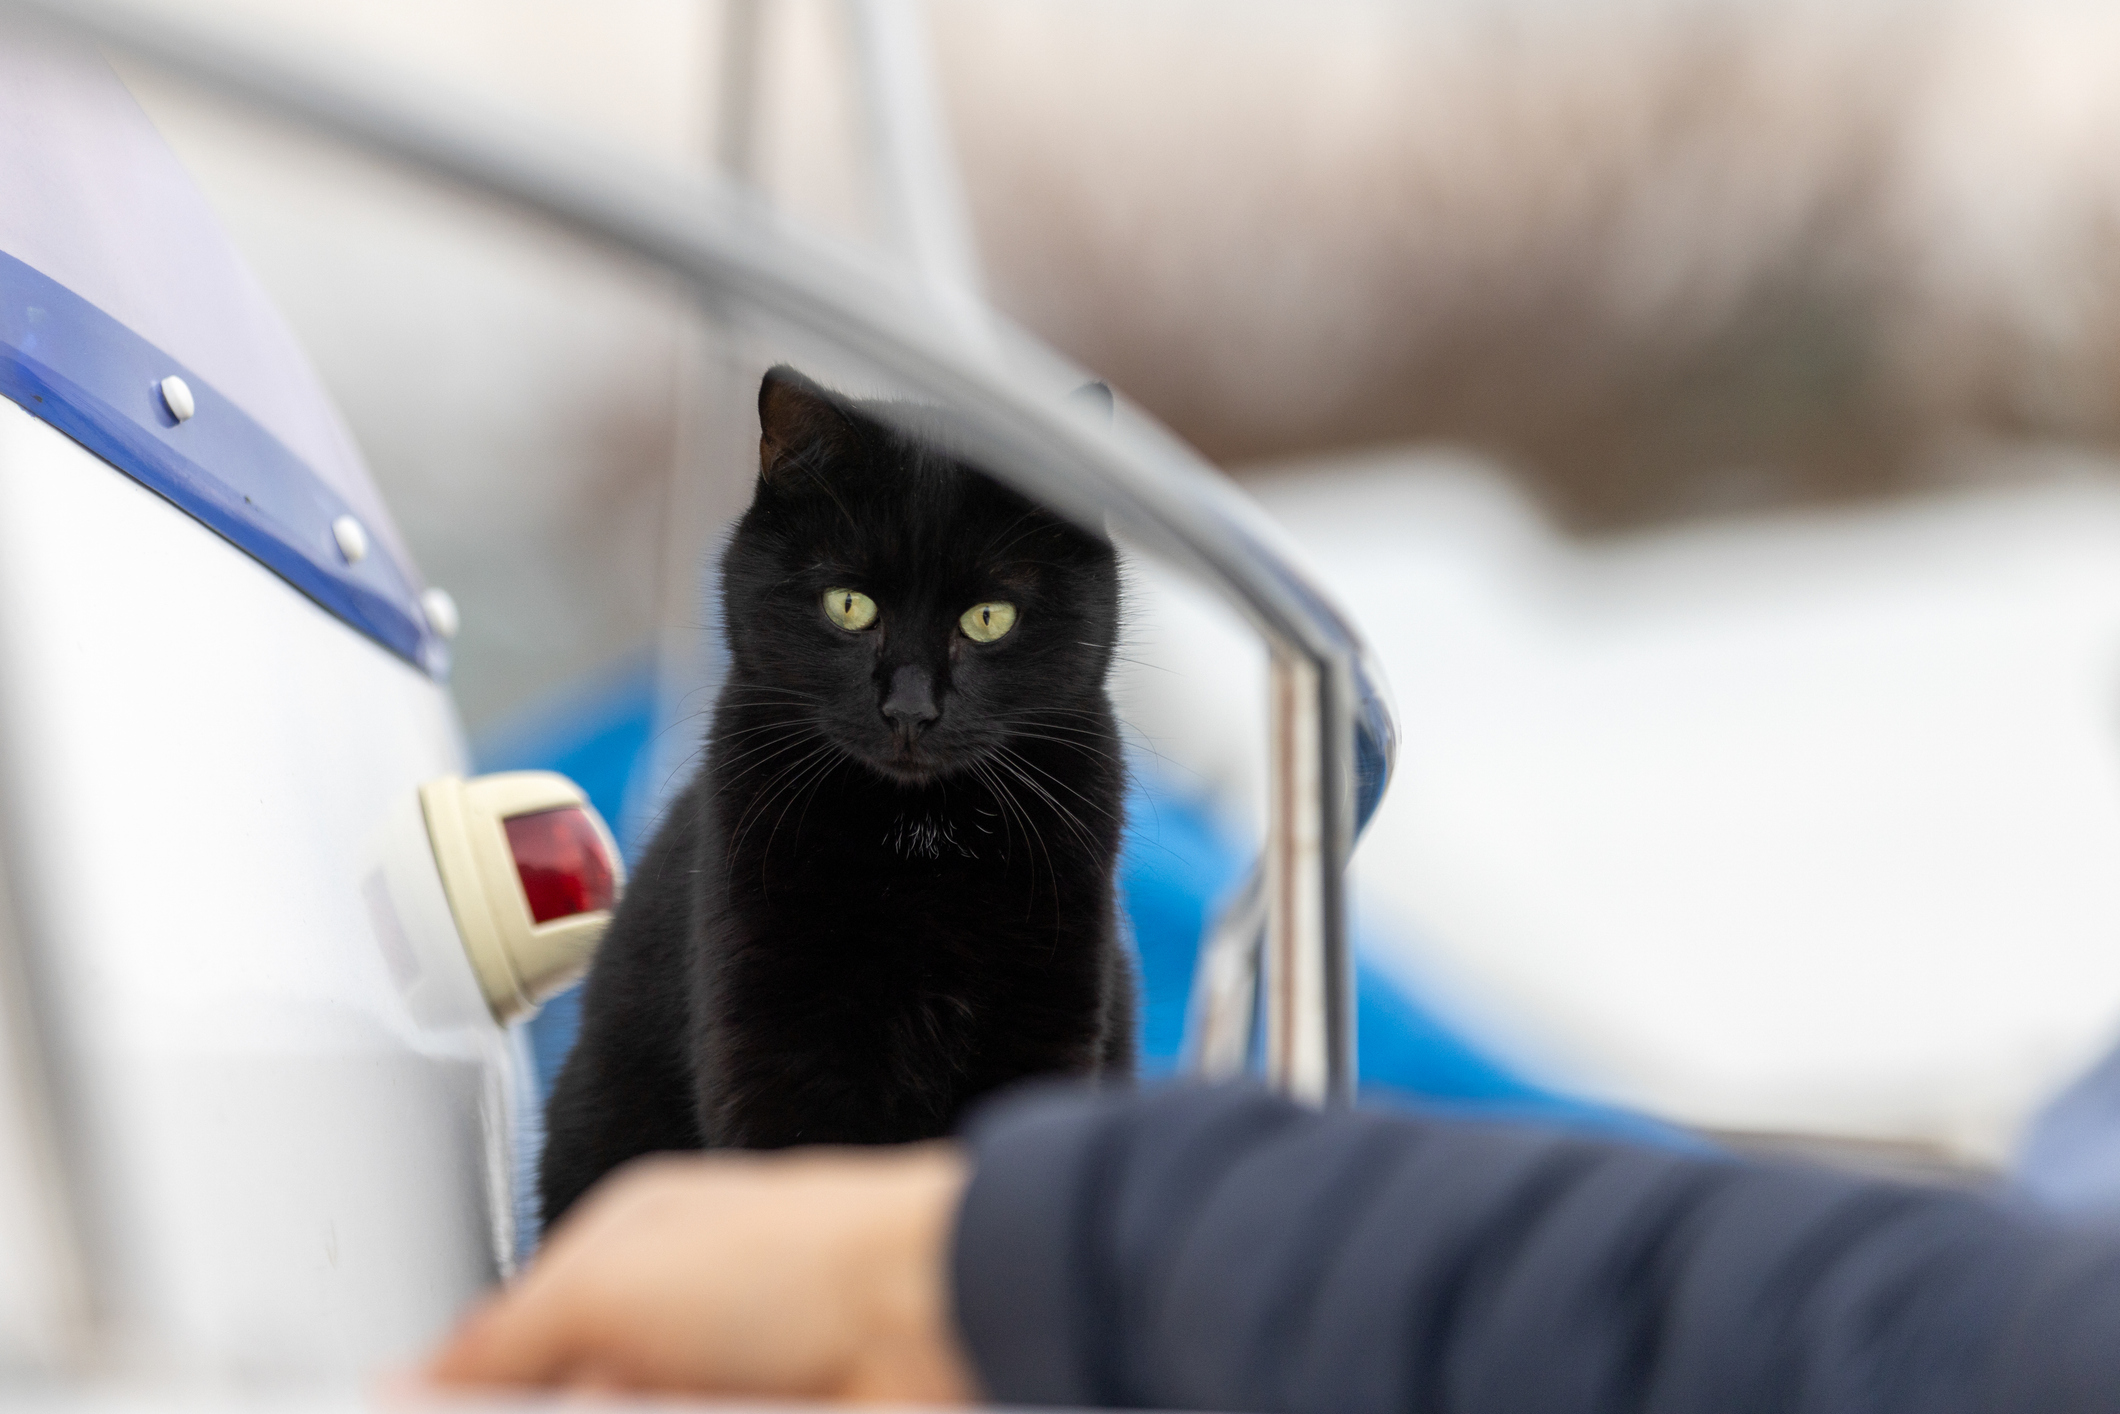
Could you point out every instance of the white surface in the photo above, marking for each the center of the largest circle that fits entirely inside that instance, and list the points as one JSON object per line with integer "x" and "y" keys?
{"x": 1808, "y": 824}
{"x": 286, "y": 1108}
{"x": 42, "y": 1306}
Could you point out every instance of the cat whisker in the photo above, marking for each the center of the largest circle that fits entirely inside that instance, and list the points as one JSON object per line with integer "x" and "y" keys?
{"x": 769, "y": 793}
{"x": 1141, "y": 740}
{"x": 733, "y": 695}
{"x": 769, "y": 751}
{"x": 743, "y": 692}
{"x": 1079, "y": 742}
{"x": 1052, "y": 714}
{"x": 814, "y": 770}
{"x": 693, "y": 756}
{"x": 1080, "y": 831}
{"x": 1007, "y": 818}
{"x": 751, "y": 710}
{"x": 1011, "y": 807}
{"x": 1096, "y": 730}
{"x": 1092, "y": 713}
{"x": 1015, "y": 766}
{"x": 803, "y": 790}
{"x": 740, "y": 700}
{"x": 788, "y": 723}
{"x": 1095, "y": 733}
{"x": 668, "y": 727}
{"x": 764, "y": 800}
{"x": 1025, "y": 760}
{"x": 1030, "y": 827}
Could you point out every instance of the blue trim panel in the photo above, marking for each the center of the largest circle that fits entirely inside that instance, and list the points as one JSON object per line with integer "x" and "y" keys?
{"x": 67, "y": 363}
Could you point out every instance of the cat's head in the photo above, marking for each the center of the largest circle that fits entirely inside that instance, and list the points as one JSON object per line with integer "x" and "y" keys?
{"x": 915, "y": 612}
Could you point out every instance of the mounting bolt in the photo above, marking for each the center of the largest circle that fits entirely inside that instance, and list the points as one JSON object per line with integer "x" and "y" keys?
{"x": 352, "y": 538}
{"x": 176, "y": 396}
{"x": 440, "y": 608}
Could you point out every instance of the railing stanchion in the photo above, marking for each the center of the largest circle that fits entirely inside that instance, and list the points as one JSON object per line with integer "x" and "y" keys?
{"x": 1298, "y": 1048}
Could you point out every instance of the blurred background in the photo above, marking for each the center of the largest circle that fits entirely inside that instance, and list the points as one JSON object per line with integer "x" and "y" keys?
{"x": 1707, "y": 408}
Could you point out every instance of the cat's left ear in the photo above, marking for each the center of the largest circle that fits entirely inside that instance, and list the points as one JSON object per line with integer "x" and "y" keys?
{"x": 800, "y": 426}
{"x": 1096, "y": 396}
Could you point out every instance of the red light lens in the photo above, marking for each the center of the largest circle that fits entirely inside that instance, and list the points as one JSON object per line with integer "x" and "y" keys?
{"x": 561, "y": 860}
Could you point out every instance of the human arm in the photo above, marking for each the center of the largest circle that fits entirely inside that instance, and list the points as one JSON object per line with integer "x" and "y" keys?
{"x": 1224, "y": 1249}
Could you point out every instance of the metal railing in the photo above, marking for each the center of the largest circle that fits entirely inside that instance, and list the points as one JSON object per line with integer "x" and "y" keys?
{"x": 1332, "y": 735}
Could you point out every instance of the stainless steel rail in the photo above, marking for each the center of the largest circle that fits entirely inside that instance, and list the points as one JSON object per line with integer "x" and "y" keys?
{"x": 1333, "y": 737}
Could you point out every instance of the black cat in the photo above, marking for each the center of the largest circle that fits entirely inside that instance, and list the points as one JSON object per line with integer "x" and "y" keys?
{"x": 890, "y": 887}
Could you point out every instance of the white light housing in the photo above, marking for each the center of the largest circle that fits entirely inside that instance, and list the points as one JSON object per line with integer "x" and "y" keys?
{"x": 532, "y": 876}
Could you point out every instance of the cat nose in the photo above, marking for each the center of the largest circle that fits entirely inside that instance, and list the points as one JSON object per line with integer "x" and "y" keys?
{"x": 911, "y": 705}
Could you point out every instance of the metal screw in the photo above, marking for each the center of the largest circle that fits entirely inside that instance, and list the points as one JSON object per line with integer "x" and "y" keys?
{"x": 352, "y": 538}
{"x": 440, "y": 608}
{"x": 176, "y": 396}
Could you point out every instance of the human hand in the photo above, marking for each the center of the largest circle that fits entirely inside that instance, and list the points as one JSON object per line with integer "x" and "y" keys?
{"x": 817, "y": 1273}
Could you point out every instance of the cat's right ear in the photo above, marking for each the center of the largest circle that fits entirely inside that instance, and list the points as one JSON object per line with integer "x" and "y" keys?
{"x": 800, "y": 426}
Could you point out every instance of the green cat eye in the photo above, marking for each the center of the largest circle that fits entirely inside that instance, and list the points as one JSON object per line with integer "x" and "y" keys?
{"x": 849, "y": 608}
{"x": 983, "y": 623}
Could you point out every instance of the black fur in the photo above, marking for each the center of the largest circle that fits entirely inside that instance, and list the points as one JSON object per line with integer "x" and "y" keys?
{"x": 852, "y": 922}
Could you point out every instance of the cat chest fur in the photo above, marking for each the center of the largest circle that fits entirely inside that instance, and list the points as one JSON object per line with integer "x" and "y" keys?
{"x": 881, "y": 956}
